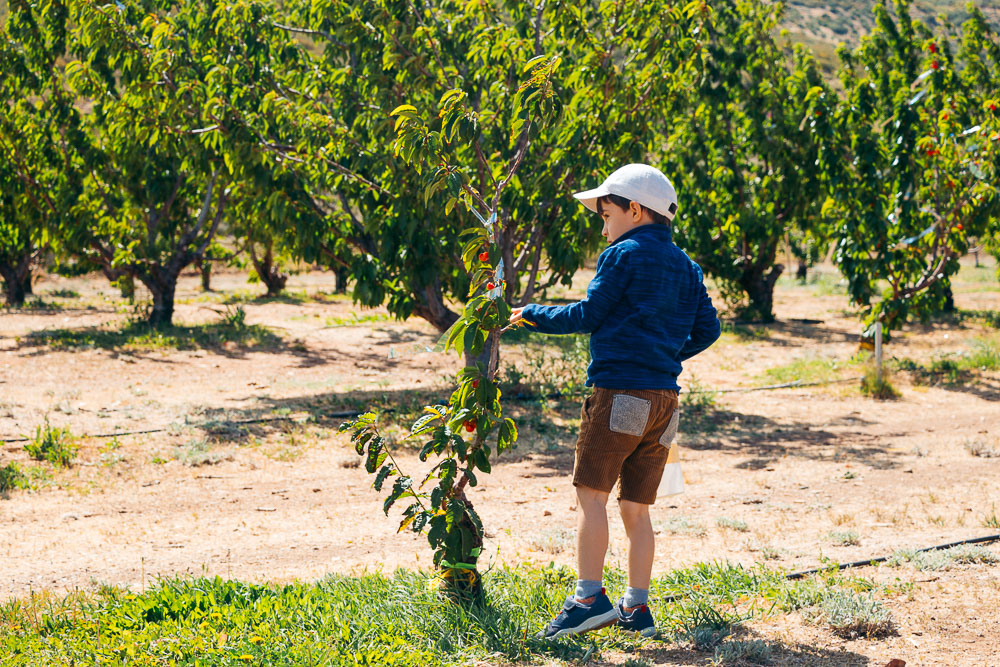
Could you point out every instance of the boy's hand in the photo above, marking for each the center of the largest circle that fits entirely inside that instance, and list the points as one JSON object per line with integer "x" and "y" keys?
{"x": 516, "y": 320}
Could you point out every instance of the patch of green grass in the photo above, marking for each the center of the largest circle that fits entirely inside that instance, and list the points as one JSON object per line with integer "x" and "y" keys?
{"x": 64, "y": 293}
{"x": 956, "y": 368}
{"x": 395, "y": 619}
{"x": 845, "y": 538}
{"x": 811, "y": 369}
{"x": 142, "y": 337}
{"x": 943, "y": 559}
{"x": 698, "y": 406}
{"x": 52, "y": 444}
{"x": 880, "y": 388}
{"x": 748, "y": 652}
{"x": 12, "y": 478}
{"x": 355, "y": 319}
{"x": 851, "y": 615}
{"x": 744, "y": 333}
{"x": 738, "y": 525}
{"x": 552, "y": 365}
{"x": 992, "y": 520}
{"x": 680, "y": 525}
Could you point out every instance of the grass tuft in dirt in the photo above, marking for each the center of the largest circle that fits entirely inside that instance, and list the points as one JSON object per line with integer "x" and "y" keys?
{"x": 12, "y": 478}
{"x": 741, "y": 653}
{"x": 943, "y": 559}
{"x": 704, "y": 626}
{"x": 878, "y": 388}
{"x": 847, "y": 538}
{"x": 979, "y": 447}
{"x": 680, "y": 525}
{"x": 850, "y": 615}
{"x": 738, "y": 525}
{"x": 52, "y": 444}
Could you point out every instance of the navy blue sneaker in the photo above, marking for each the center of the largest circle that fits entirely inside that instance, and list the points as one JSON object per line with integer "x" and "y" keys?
{"x": 576, "y": 617}
{"x": 638, "y": 620}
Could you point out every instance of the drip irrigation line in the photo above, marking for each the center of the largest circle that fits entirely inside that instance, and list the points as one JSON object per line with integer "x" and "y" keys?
{"x": 347, "y": 414}
{"x": 861, "y": 563}
{"x": 158, "y": 430}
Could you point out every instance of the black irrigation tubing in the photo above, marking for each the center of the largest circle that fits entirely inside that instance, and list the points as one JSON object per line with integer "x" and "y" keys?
{"x": 156, "y": 430}
{"x": 861, "y": 563}
{"x": 346, "y": 414}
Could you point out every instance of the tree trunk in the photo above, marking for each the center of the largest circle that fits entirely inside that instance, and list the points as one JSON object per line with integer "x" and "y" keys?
{"x": 759, "y": 287}
{"x": 802, "y": 271}
{"x": 15, "y": 276}
{"x": 949, "y": 299}
{"x": 431, "y": 307}
{"x": 13, "y": 286}
{"x": 205, "y": 266}
{"x": 267, "y": 269}
{"x": 162, "y": 287}
{"x": 340, "y": 276}
{"x": 26, "y": 283}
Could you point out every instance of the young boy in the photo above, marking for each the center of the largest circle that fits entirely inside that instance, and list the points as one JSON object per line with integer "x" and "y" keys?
{"x": 647, "y": 310}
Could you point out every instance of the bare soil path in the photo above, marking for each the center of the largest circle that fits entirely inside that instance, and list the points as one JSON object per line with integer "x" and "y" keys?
{"x": 281, "y": 500}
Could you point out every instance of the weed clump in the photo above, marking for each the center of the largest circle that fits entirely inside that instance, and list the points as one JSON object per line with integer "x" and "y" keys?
{"x": 52, "y": 444}
{"x": 878, "y": 388}
{"x": 738, "y": 525}
{"x": 943, "y": 559}
{"x": 847, "y": 538}
{"x": 980, "y": 448}
{"x": 12, "y": 478}
{"x": 852, "y": 615}
{"x": 738, "y": 653}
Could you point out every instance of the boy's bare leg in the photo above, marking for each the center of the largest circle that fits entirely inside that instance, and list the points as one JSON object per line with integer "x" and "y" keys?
{"x": 592, "y": 533}
{"x": 641, "y": 543}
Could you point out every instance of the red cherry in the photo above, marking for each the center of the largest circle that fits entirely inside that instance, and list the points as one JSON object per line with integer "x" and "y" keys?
{"x": 484, "y": 256}
{"x": 475, "y": 384}
{"x": 993, "y": 107}
{"x": 933, "y": 47}
{"x": 959, "y": 227}
{"x": 935, "y": 65}
{"x": 490, "y": 285}
{"x": 470, "y": 425}
{"x": 944, "y": 117}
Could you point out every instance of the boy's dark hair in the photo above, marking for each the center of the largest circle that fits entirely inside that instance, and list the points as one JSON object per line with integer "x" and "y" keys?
{"x": 624, "y": 202}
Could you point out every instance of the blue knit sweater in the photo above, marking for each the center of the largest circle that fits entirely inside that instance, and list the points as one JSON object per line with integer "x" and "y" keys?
{"x": 646, "y": 311}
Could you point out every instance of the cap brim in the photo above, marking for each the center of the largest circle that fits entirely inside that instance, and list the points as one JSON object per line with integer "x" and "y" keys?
{"x": 589, "y": 197}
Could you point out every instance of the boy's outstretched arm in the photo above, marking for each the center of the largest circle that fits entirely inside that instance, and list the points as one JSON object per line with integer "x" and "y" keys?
{"x": 604, "y": 291}
{"x": 706, "y": 329}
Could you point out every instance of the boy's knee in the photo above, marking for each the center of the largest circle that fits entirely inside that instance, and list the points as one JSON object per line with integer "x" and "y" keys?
{"x": 632, "y": 511}
{"x": 591, "y": 498}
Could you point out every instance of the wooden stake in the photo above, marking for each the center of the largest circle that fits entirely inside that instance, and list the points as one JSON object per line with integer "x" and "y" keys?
{"x": 878, "y": 352}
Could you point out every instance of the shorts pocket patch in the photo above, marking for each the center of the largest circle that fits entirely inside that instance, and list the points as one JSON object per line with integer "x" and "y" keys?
{"x": 671, "y": 432}
{"x": 629, "y": 414}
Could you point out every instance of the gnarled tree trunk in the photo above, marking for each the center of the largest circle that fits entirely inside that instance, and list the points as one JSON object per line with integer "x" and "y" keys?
{"x": 15, "y": 275}
{"x": 759, "y": 286}
{"x": 267, "y": 269}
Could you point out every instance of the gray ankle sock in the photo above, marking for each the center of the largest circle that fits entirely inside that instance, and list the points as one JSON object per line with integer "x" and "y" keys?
{"x": 586, "y": 587}
{"x": 635, "y": 596}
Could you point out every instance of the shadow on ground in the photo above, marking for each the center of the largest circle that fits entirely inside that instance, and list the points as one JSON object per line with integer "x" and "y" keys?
{"x": 548, "y": 428}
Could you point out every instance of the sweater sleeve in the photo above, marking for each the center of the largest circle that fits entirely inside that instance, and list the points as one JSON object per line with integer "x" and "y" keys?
{"x": 603, "y": 293}
{"x": 706, "y": 329}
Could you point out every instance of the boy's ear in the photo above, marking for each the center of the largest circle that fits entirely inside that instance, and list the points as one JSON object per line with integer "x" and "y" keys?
{"x": 636, "y": 209}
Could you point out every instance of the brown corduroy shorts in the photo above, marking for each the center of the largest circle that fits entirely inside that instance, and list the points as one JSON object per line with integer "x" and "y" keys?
{"x": 626, "y": 435}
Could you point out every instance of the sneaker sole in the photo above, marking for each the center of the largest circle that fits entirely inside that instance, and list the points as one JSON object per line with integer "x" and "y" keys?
{"x": 593, "y": 623}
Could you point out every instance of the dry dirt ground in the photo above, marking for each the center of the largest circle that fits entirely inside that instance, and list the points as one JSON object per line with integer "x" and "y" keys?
{"x": 281, "y": 500}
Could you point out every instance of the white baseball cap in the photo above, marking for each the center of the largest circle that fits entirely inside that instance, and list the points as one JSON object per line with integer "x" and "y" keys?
{"x": 640, "y": 183}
